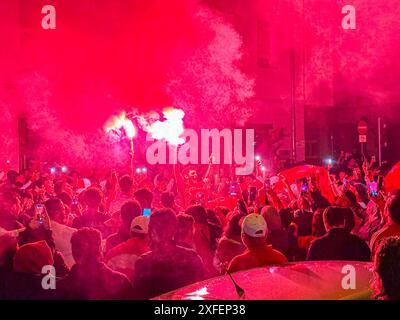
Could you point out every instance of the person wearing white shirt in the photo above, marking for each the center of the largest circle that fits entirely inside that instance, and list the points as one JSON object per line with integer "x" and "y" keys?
{"x": 61, "y": 233}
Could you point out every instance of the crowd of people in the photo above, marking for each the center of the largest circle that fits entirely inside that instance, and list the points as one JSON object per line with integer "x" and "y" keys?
{"x": 141, "y": 235}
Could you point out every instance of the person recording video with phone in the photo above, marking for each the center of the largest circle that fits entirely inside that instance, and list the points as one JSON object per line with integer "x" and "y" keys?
{"x": 38, "y": 229}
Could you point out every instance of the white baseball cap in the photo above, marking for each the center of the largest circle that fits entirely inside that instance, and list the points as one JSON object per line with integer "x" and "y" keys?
{"x": 254, "y": 225}
{"x": 140, "y": 224}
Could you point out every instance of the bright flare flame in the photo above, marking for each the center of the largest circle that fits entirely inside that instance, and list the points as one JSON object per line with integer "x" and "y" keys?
{"x": 171, "y": 128}
{"x": 116, "y": 123}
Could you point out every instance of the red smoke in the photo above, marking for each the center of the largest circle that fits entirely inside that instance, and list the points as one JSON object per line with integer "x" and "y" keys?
{"x": 108, "y": 56}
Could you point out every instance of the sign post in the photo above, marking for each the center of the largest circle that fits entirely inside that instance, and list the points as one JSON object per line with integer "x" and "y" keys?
{"x": 379, "y": 142}
{"x": 362, "y": 128}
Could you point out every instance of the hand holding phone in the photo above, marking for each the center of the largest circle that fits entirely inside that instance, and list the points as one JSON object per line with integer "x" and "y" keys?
{"x": 373, "y": 189}
{"x": 252, "y": 193}
{"x": 242, "y": 207}
{"x": 40, "y": 219}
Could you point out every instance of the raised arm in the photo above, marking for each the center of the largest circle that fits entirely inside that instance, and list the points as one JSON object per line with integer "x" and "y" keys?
{"x": 210, "y": 163}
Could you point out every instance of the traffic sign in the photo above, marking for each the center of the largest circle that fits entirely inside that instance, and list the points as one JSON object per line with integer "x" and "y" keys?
{"x": 362, "y": 127}
{"x": 362, "y": 138}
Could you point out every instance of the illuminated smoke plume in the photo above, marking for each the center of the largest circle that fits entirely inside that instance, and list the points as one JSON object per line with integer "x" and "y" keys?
{"x": 170, "y": 129}
{"x": 120, "y": 122}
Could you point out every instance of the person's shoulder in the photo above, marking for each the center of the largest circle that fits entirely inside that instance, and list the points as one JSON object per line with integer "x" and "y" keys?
{"x": 56, "y": 226}
{"x": 78, "y": 221}
{"x": 358, "y": 241}
{"x": 318, "y": 244}
{"x": 236, "y": 262}
{"x": 279, "y": 255}
{"x": 356, "y": 238}
{"x": 186, "y": 251}
{"x": 322, "y": 239}
{"x": 111, "y": 237}
{"x": 145, "y": 258}
{"x": 115, "y": 275}
{"x": 188, "y": 255}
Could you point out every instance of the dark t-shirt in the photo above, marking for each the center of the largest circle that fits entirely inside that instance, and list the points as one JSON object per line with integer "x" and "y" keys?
{"x": 338, "y": 244}
{"x": 95, "y": 282}
{"x": 21, "y": 286}
{"x": 165, "y": 269}
{"x": 303, "y": 219}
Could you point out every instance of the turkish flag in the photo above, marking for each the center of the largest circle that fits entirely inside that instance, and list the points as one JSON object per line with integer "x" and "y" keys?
{"x": 299, "y": 172}
{"x": 321, "y": 175}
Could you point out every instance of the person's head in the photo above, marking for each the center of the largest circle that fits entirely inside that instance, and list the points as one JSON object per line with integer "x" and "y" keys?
{"x": 92, "y": 198}
{"x": 27, "y": 174}
{"x": 49, "y": 185}
{"x": 140, "y": 227}
{"x": 184, "y": 229}
{"x": 249, "y": 178}
{"x": 392, "y": 208}
{"x": 349, "y": 219}
{"x": 8, "y": 247}
{"x": 190, "y": 175}
{"x": 86, "y": 246}
{"x": 160, "y": 183}
{"x": 386, "y": 282}
{"x": 334, "y": 218}
{"x": 342, "y": 175}
{"x": 254, "y": 230}
{"x": 356, "y": 169}
{"x": 318, "y": 227}
{"x": 351, "y": 197}
{"x": 198, "y": 213}
{"x": 32, "y": 257}
{"x": 271, "y": 217}
{"x": 55, "y": 209}
{"x": 10, "y": 203}
{"x": 58, "y": 186}
{"x": 233, "y": 229}
{"x": 12, "y": 176}
{"x": 321, "y": 202}
{"x": 145, "y": 197}
{"x": 361, "y": 193}
{"x": 74, "y": 175}
{"x": 126, "y": 184}
{"x": 130, "y": 210}
{"x": 162, "y": 227}
{"x": 212, "y": 218}
{"x": 65, "y": 198}
{"x": 286, "y": 217}
{"x": 168, "y": 199}
{"x": 223, "y": 210}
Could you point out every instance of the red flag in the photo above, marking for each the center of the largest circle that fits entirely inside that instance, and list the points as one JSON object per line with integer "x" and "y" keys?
{"x": 392, "y": 179}
{"x": 320, "y": 173}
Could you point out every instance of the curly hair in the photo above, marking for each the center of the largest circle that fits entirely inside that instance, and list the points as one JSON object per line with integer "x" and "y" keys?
{"x": 386, "y": 284}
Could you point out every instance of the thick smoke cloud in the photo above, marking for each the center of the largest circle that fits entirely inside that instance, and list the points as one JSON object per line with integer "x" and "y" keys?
{"x": 108, "y": 56}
